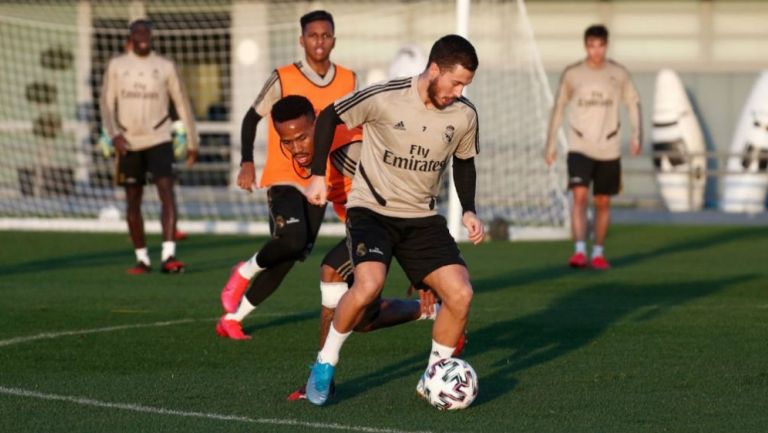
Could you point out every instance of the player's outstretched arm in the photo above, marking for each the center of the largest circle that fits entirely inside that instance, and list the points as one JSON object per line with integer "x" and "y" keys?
{"x": 632, "y": 101}
{"x": 107, "y": 103}
{"x": 316, "y": 192}
{"x": 465, "y": 179}
{"x": 427, "y": 299}
{"x": 474, "y": 226}
{"x": 325, "y": 129}
{"x": 108, "y": 106}
{"x": 183, "y": 108}
{"x": 550, "y": 155}
{"x": 121, "y": 144}
{"x": 246, "y": 177}
{"x": 556, "y": 118}
{"x": 248, "y": 134}
{"x": 191, "y": 157}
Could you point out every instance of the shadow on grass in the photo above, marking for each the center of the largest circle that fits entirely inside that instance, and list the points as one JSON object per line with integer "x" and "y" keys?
{"x": 567, "y": 324}
{"x": 122, "y": 253}
{"x": 280, "y": 321}
{"x": 518, "y": 277}
{"x": 703, "y": 243}
{"x": 412, "y": 366}
{"x": 574, "y": 321}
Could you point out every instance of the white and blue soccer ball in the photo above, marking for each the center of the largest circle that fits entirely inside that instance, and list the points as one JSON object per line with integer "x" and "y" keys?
{"x": 449, "y": 384}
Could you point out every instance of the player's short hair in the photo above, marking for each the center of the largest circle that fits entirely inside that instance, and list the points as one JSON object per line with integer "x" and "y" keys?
{"x": 319, "y": 15}
{"x": 596, "y": 31}
{"x": 141, "y": 22}
{"x": 452, "y": 50}
{"x": 292, "y": 107}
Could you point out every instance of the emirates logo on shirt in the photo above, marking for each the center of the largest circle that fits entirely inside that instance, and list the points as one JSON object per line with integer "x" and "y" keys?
{"x": 416, "y": 160}
{"x": 596, "y": 99}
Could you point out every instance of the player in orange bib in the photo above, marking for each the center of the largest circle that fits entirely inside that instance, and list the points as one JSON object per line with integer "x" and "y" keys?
{"x": 294, "y": 223}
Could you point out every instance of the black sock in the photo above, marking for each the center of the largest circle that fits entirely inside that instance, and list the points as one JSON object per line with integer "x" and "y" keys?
{"x": 267, "y": 281}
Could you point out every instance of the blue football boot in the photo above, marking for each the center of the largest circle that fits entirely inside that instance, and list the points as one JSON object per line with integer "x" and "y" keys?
{"x": 319, "y": 383}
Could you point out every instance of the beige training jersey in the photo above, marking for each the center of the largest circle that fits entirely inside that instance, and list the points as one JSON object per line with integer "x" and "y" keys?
{"x": 272, "y": 90}
{"x": 593, "y": 97}
{"x": 406, "y": 146}
{"x": 135, "y": 100}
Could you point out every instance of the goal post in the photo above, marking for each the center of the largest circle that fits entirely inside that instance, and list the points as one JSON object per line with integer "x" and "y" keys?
{"x": 516, "y": 189}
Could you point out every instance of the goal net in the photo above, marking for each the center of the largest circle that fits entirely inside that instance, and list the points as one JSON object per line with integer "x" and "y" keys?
{"x": 53, "y": 171}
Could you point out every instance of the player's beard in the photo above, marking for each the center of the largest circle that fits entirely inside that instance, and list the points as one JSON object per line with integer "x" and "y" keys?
{"x": 432, "y": 95}
{"x": 142, "y": 49}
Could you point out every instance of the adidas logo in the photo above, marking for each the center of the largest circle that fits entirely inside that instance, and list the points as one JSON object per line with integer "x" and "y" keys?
{"x": 292, "y": 220}
{"x": 400, "y": 126}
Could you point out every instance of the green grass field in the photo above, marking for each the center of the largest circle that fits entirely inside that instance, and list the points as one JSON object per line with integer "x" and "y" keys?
{"x": 674, "y": 338}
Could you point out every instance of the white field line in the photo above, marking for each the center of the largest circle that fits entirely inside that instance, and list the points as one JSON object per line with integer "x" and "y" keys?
{"x": 17, "y": 392}
{"x": 52, "y": 335}
{"x": 214, "y": 416}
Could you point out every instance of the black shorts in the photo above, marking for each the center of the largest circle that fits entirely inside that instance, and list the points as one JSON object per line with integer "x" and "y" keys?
{"x": 290, "y": 213}
{"x": 132, "y": 168}
{"x": 605, "y": 176}
{"x": 420, "y": 245}
{"x": 338, "y": 259}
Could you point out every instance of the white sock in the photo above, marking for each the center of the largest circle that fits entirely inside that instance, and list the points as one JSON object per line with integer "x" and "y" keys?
{"x": 243, "y": 310}
{"x": 432, "y": 316}
{"x": 142, "y": 255}
{"x": 169, "y": 250}
{"x": 439, "y": 352}
{"x": 250, "y": 268}
{"x": 330, "y": 352}
{"x": 597, "y": 251}
{"x": 581, "y": 247}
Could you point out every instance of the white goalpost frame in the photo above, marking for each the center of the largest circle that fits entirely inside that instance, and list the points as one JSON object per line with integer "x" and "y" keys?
{"x": 83, "y": 87}
{"x": 546, "y": 233}
{"x": 454, "y": 206}
{"x": 454, "y": 214}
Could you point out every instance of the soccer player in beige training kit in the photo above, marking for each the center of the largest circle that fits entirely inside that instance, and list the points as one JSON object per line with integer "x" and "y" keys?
{"x": 138, "y": 87}
{"x": 413, "y": 128}
{"x": 592, "y": 90}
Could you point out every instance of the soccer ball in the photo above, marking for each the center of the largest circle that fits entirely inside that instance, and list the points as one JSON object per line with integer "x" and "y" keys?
{"x": 450, "y": 384}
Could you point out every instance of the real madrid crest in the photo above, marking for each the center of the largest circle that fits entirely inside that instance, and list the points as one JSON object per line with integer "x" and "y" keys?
{"x": 448, "y": 134}
{"x": 279, "y": 222}
{"x": 361, "y": 249}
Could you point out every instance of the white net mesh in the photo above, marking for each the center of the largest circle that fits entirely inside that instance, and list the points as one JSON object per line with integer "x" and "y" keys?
{"x": 514, "y": 101}
{"x": 54, "y": 55}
